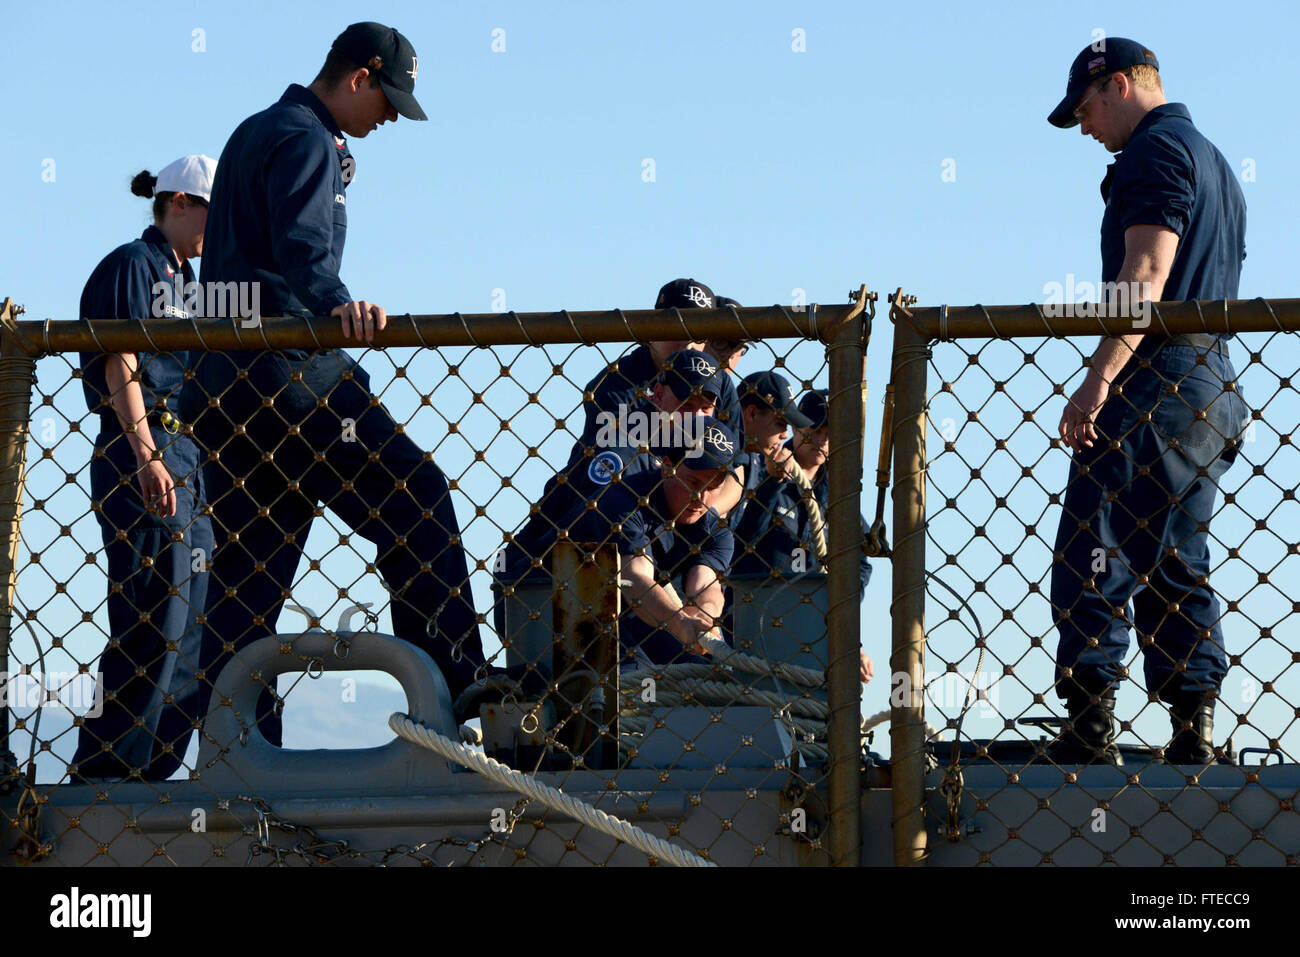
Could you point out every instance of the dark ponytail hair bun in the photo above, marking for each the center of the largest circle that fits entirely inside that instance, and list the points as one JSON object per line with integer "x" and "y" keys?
{"x": 143, "y": 183}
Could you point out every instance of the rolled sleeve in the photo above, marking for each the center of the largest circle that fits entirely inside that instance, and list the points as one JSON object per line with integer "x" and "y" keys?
{"x": 634, "y": 535}
{"x": 717, "y": 550}
{"x": 1156, "y": 187}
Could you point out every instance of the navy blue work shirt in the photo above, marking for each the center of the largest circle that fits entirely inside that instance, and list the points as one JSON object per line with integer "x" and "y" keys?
{"x": 755, "y": 466}
{"x": 776, "y": 523}
{"x": 643, "y": 530}
{"x": 629, "y": 508}
{"x": 1168, "y": 174}
{"x": 278, "y": 213}
{"x": 634, "y": 513}
{"x": 278, "y": 217}
{"x": 621, "y": 383}
{"x": 631, "y": 512}
{"x": 587, "y": 478}
{"x": 125, "y": 286}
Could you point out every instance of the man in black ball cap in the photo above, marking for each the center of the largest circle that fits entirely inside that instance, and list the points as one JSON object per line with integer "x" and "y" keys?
{"x": 289, "y": 431}
{"x": 1155, "y": 423}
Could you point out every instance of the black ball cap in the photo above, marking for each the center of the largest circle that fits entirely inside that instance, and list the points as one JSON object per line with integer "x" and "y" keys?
{"x": 388, "y": 55}
{"x": 691, "y": 372}
{"x": 813, "y": 404}
{"x": 771, "y": 389}
{"x": 685, "y": 294}
{"x": 1108, "y": 55}
{"x": 712, "y": 444}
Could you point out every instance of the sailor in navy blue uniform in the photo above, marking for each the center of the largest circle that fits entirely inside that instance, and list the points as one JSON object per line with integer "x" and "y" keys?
{"x": 1156, "y": 422}
{"x": 147, "y": 494}
{"x": 627, "y": 378}
{"x": 673, "y": 545}
{"x": 775, "y": 531}
{"x": 728, "y": 352}
{"x": 767, "y": 409}
{"x": 774, "y": 536}
{"x": 279, "y": 218}
{"x": 623, "y": 445}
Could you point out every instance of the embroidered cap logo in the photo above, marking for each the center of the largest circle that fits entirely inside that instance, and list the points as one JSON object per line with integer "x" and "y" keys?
{"x": 700, "y": 366}
{"x": 715, "y": 437}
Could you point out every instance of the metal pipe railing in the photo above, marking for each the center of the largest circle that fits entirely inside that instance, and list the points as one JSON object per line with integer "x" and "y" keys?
{"x": 846, "y": 354}
{"x": 489, "y": 329}
{"x": 907, "y": 608}
{"x": 17, "y": 378}
{"x": 1004, "y": 322}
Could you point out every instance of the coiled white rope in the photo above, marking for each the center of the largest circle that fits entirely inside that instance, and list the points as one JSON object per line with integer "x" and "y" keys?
{"x": 720, "y": 651}
{"x": 707, "y": 685}
{"x": 553, "y": 798}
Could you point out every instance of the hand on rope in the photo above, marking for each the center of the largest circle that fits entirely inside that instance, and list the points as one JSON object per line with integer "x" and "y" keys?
{"x": 816, "y": 522}
{"x": 777, "y": 462}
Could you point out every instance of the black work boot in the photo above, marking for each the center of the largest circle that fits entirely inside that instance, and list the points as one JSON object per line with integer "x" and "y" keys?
{"x": 1089, "y": 735}
{"x": 1192, "y": 718}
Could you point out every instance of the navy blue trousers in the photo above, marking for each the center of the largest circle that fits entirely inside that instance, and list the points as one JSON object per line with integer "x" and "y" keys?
{"x": 158, "y": 580}
{"x": 300, "y": 455}
{"x": 1132, "y": 547}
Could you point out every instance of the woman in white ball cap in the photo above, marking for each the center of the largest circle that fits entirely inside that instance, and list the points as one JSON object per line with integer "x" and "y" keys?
{"x": 147, "y": 492}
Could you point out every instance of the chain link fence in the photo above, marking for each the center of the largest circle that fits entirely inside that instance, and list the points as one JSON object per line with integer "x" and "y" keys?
{"x": 1161, "y": 561}
{"x": 584, "y": 752}
{"x": 168, "y": 703}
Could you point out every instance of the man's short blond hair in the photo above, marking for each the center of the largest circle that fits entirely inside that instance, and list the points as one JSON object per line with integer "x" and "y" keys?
{"x": 1144, "y": 77}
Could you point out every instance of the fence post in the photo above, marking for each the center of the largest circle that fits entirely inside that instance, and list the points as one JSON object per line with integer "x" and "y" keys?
{"x": 585, "y": 653}
{"x": 846, "y": 353}
{"x": 17, "y": 377}
{"x": 907, "y": 611}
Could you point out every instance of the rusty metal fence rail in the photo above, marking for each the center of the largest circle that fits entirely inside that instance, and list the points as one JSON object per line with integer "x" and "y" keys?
{"x": 753, "y": 758}
{"x": 984, "y": 586}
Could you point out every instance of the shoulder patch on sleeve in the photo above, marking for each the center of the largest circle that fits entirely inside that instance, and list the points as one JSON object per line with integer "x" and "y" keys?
{"x": 604, "y": 467}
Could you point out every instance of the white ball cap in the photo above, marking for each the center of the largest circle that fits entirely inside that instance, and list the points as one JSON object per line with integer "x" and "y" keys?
{"x": 189, "y": 174}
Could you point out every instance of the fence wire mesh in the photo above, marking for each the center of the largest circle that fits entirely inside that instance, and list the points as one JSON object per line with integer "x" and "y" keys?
{"x": 345, "y": 506}
{"x": 1150, "y": 578}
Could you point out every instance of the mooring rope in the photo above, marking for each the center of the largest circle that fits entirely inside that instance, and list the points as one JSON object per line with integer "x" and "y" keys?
{"x": 553, "y": 798}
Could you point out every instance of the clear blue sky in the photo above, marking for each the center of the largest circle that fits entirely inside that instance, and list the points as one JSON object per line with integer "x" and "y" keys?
{"x": 775, "y": 170}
